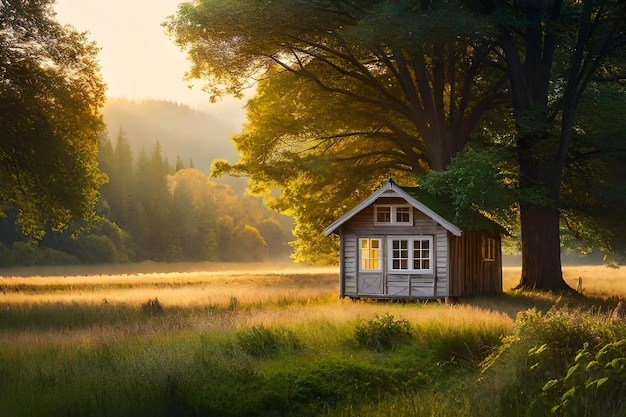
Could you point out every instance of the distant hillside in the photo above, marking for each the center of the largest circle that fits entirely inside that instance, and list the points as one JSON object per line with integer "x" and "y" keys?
{"x": 180, "y": 130}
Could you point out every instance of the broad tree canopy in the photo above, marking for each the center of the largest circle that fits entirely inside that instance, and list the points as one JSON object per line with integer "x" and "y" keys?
{"x": 349, "y": 93}
{"x": 50, "y": 96}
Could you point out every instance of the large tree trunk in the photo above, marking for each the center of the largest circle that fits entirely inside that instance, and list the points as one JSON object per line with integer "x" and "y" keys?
{"x": 541, "y": 259}
{"x": 540, "y": 184}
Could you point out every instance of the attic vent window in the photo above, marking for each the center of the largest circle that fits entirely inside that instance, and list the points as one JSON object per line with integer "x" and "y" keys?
{"x": 396, "y": 214}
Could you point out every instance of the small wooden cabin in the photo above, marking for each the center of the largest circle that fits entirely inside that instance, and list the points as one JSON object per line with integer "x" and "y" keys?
{"x": 397, "y": 244}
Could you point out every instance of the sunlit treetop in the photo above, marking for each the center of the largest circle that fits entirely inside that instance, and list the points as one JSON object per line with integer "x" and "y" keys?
{"x": 414, "y": 79}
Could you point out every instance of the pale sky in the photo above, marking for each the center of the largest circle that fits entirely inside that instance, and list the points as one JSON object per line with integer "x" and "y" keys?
{"x": 137, "y": 59}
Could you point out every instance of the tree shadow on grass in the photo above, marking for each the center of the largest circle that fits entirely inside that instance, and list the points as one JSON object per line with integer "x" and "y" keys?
{"x": 515, "y": 301}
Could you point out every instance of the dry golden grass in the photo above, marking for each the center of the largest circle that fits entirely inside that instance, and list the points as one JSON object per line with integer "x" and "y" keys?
{"x": 597, "y": 280}
{"x": 219, "y": 298}
{"x": 217, "y": 285}
{"x": 250, "y": 294}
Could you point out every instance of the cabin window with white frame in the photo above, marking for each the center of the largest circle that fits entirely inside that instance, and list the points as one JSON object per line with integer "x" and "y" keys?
{"x": 370, "y": 254}
{"x": 393, "y": 214}
{"x": 488, "y": 249}
{"x": 411, "y": 254}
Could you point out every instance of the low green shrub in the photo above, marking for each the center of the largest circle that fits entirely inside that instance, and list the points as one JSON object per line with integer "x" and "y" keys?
{"x": 95, "y": 249}
{"x": 383, "y": 332}
{"x": 28, "y": 254}
{"x": 466, "y": 344}
{"x": 49, "y": 256}
{"x": 324, "y": 383}
{"x": 564, "y": 332}
{"x": 593, "y": 386}
{"x": 261, "y": 341}
{"x": 557, "y": 362}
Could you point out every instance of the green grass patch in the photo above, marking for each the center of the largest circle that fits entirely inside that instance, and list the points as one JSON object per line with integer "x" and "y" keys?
{"x": 261, "y": 341}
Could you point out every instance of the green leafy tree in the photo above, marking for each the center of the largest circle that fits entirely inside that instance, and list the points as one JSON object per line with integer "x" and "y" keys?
{"x": 481, "y": 180}
{"x": 250, "y": 245}
{"x": 151, "y": 204}
{"x": 106, "y": 162}
{"x": 192, "y": 212}
{"x": 179, "y": 163}
{"x": 352, "y": 90}
{"x": 116, "y": 195}
{"x": 50, "y": 96}
{"x": 553, "y": 51}
{"x": 120, "y": 187}
{"x": 225, "y": 233}
{"x": 274, "y": 235}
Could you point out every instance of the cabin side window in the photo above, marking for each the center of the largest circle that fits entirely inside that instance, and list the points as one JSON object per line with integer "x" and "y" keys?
{"x": 411, "y": 254}
{"x": 395, "y": 214}
{"x": 488, "y": 249}
{"x": 370, "y": 249}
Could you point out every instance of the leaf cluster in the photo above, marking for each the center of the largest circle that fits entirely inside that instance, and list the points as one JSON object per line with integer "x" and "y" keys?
{"x": 594, "y": 384}
{"x": 478, "y": 180}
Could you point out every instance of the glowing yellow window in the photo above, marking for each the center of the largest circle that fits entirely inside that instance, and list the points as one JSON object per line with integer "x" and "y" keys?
{"x": 370, "y": 254}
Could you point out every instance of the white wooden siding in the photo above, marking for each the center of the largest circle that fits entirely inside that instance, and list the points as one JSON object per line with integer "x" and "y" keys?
{"x": 411, "y": 285}
{"x": 350, "y": 263}
{"x": 393, "y": 285}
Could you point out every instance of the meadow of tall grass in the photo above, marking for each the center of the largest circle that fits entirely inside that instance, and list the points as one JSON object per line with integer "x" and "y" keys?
{"x": 272, "y": 341}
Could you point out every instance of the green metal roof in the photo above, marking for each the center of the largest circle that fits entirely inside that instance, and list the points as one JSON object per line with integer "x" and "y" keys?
{"x": 467, "y": 219}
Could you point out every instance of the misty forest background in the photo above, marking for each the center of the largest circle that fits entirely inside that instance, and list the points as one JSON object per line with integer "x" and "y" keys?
{"x": 159, "y": 203}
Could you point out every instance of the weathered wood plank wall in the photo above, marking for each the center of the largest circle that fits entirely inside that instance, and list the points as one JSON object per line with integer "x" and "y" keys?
{"x": 469, "y": 273}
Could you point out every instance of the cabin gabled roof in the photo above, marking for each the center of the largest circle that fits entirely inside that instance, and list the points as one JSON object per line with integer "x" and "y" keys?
{"x": 401, "y": 192}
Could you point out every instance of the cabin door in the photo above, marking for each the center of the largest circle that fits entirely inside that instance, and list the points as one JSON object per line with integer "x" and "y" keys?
{"x": 370, "y": 266}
